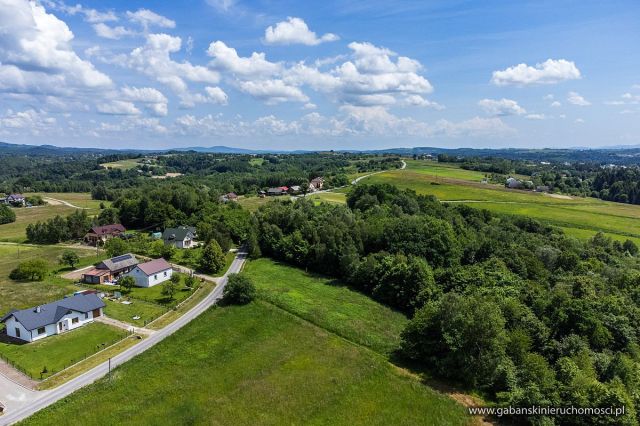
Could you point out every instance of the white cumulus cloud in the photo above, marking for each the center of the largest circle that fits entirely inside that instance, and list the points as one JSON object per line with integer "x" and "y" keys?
{"x": 295, "y": 31}
{"x": 550, "y": 71}
{"x": 147, "y": 18}
{"x": 501, "y": 107}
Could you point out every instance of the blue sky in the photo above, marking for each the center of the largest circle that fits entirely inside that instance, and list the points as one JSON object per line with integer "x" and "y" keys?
{"x": 320, "y": 75}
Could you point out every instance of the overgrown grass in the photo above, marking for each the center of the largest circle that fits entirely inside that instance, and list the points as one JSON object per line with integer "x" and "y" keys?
{"x": 256, "y": 364}
{"x": 253, "y": 203}
{"x": 329, "y": 304}
{"x": 60, "y": 351}
{"x": 16, "y": 231}
{"x": 21, "y": 295}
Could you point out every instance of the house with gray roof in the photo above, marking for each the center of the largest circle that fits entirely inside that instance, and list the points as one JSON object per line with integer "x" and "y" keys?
{"x": 109, "y": 270}
{"x": 53, "y": 318}
{"x": 180, "y": 237}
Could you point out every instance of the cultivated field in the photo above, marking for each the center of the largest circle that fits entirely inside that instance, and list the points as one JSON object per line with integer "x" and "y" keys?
{"x": 256, "y": 364}
{"x": 329, "y": 304}
{"x": 79, "y": 199}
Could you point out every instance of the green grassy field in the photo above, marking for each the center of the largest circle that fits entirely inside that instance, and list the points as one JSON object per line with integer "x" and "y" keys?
{"x": 21, "y": 295}
{"x": 80, "y": 199}
{"x": 122, "y": 164}
{"x": 328, "y": 304}
{"x": 253, "y": 203}
{"x": 60, "y": 351}
{"x": 15, "y": 231}
{"x": 587, "y": 214}
{"x": 256, "y": 364}
{"x": 138, "y": 308}
{"x": 330, "y": 197}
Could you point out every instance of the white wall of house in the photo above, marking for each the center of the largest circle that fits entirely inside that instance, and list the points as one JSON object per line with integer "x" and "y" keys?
{"x": 50, "y": 329}
{"x": 11, "y": 324}
{"x": 182, "y": 244}
{"x": 144, "y": 280}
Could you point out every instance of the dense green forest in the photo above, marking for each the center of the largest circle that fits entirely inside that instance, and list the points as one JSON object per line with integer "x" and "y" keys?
{"x": 220, "y": 173}
{"x": 503, "y": 305}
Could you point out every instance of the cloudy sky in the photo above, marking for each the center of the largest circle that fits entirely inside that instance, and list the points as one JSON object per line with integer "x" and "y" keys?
{"x": 340, "y": 74}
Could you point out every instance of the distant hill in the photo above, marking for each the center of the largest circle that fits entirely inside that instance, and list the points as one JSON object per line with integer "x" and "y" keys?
{"x": 614, "y": 155}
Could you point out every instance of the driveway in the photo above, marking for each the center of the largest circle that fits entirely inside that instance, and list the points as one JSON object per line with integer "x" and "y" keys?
{"x": 21, "y": 403}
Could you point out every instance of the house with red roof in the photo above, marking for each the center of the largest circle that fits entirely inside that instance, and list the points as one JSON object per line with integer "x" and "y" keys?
{"x": 100, "y": 234}
{"x": 151, "y": 273}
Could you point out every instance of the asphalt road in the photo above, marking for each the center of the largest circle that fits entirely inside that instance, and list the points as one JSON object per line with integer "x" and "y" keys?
{"x": 31, "y": 402}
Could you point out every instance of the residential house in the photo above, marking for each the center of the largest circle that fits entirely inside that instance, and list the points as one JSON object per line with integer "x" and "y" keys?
{"x": 16, "y": 200}
{"x": 295, "y": 189}
{"x": 542, "y": 188}
{"x": 231, "y": 196}
{"x": 513, "y": 183}
{"x": 109, "y": 270}
{"x": 180, "y": 237}
{"x": 53, "y": 318}
{"x": 151, "y": 273}
{"x": 274, "y": 192}
{"x": 100, "y": 234}
{"x": 316, "y": 184}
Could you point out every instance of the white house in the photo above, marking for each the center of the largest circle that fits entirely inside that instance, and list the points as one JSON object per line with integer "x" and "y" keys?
{"x": 53, "y": 318}
{"x": 180, "y": 237}
{"x": 151, "y": 273}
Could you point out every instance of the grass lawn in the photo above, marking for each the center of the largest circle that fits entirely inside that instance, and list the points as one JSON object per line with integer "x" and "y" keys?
{"x": 256, "y": 161}
{"x": 256, "y": 364}
{"x": 125, "y": 313}
{"x": 16, "y": 231}
{"x": 21, "y": 295}
{"x": 329, "y": 304}
{"x": 61, "y": 351}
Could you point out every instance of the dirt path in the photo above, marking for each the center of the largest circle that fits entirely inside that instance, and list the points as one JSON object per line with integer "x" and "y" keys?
{"x": 56, "y": 202}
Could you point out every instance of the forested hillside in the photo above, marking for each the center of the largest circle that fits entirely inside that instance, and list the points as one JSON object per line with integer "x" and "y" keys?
{"x": 504, "y": 305}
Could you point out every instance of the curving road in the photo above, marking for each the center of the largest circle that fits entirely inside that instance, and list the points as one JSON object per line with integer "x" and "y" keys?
{"x": 355, "y": 182}
{"x": 22, "y": 403}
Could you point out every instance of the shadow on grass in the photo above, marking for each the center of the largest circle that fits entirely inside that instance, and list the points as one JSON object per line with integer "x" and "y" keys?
{"x": 4, "y": 338}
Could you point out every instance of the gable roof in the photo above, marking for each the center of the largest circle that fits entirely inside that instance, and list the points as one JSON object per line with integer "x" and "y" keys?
{"x": 115, "y": 228}
{"x": 51, "y": 313}
{"x": 119, "y": 262}
{"x": 179, "y": 233}
{"x": 154, "y": 266}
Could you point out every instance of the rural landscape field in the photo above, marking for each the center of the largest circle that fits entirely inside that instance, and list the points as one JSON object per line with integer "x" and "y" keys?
{"x": 270, "y": 212}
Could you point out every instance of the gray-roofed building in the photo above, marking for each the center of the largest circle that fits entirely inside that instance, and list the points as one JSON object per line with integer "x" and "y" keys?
{"x": 110, "y": 269}
{"x": 180, "y": 237}
{"x": 53, "y": 318}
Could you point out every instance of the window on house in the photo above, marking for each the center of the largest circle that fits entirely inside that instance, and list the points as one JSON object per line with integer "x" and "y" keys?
{"x": 165, "y": 273}
{"x": 17, "y": 332}
{"x": 41, "y": 330}
{"x": 75, "y": 320}
{"x": 86, "y": 315}
{"x": 155, "y": 277}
